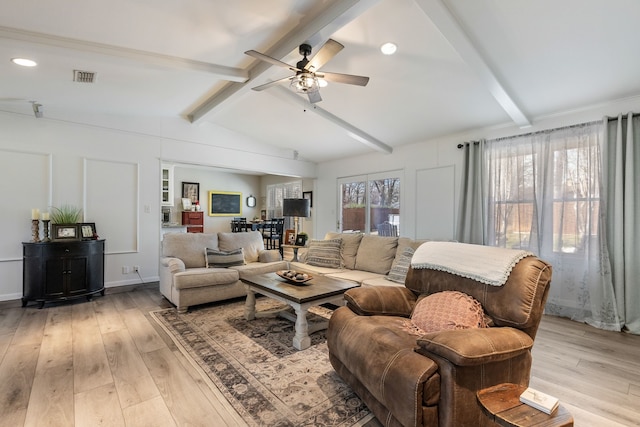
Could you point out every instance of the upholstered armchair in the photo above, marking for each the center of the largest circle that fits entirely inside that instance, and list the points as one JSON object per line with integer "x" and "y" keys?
{"x": 431, "y": 378}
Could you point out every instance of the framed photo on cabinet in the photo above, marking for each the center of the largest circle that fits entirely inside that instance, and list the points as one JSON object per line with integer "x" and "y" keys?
{"x": 65, "y": 232}
{"x": 290, "y": 237}
{"x": 88, "y": 230}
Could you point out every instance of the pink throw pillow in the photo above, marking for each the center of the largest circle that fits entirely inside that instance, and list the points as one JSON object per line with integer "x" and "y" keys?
{"x": 446, "y": 310}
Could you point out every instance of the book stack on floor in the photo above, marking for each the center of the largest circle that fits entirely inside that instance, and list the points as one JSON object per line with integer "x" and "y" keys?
{"x": 539, "y": 400}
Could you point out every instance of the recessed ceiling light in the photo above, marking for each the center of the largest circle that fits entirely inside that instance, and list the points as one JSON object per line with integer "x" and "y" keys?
{"x": 24, "y": 62}
{"x": 388, "y": 48}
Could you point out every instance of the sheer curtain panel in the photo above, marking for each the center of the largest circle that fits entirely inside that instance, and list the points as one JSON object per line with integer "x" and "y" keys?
{"x": 544, "y": 195}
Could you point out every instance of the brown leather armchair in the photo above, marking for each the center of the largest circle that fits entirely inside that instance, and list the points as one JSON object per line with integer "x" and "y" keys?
{"x": 432, "y": 380}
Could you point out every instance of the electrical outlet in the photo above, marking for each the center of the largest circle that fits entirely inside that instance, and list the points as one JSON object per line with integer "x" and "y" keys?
{"x": 136, "y": 268}
{"x": 125, "y": 269}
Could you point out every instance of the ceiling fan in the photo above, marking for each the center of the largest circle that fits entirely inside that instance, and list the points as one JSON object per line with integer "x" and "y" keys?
{"x": 306, "y": 79}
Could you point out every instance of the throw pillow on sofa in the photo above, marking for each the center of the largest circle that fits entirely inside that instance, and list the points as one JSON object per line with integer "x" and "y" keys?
{"x": 348, "y": 247}
{"x": 222, "y": 259}
{"x": 376, "y": 253}
{"x": 399, "y": 271}
{"x": 446, "y": 310}
{"x": 324, "y": 253}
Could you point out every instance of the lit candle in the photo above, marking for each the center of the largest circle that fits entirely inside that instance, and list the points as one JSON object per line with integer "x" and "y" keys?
{"x": 35, "y": 213}
{"x": 44, "y": 216}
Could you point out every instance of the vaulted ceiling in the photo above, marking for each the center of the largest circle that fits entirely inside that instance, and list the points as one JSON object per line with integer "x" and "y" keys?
{"x": 460, "y": 64}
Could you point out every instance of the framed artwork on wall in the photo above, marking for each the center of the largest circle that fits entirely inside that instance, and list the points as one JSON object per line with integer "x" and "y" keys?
{"x": 191, "y": 191}
{"x": 225, "y": 203}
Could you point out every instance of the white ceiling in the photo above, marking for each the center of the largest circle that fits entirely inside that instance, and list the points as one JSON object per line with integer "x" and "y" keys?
{"x": 460, "y": 64}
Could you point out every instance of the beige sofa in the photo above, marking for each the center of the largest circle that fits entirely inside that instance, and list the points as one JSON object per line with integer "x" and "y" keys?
{"x": 185, "y": 279}
{"x": 367, "y": 259}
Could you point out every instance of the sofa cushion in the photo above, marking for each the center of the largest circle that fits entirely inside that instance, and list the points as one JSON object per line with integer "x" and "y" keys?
{"x": 260, "y": 268}
{"x": 270, "y": 255}
{"x": 188, "y": 247}
{"x": 447, "y": 310}
{"x": 324, "y": 253}
{"x": 348, "y": 248}
{"x": 250, "y": 241}
{"x": 314, "y": 270}
{"x": 381, "y": 281}
{"x": 203, "y": 277}
{"x": 376, "y": 253}
{"x": 401, "y": 266}
{"x": 218, "y": 258}
{"x": 354, "y": 275}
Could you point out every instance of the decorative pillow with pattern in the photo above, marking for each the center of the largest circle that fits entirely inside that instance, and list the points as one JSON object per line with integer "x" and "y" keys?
{"x": 399, "y": 271}
{"x": 446, "y": 310}
{"x": 324, "y": 253}
{"x": 221, "y": 259}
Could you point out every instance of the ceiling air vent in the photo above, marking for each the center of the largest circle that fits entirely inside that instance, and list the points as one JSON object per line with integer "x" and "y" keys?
{"x": 84, "y": 76}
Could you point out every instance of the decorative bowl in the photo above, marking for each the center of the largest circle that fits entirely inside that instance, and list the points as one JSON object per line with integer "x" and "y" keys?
{"x": 283, "y": 274}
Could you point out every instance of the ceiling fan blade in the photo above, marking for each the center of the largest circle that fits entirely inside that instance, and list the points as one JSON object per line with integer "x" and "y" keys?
{"x": 314, "y": 96}
{"x": 326, "y": 52}
{"x": 263, "y": 57}
{"x": 269, "y": 84}
{"x": 344, "y": 78}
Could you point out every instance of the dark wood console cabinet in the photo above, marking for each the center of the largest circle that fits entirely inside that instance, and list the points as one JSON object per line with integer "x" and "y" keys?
{"x": 194, "y": 221}
{"x": 55, "y": 271}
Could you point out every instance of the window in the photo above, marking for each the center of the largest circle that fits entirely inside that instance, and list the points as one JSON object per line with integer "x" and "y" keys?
{"x": 544, "y": 190}
{"x": 370, "y": 204}
{"x": 278, "y": 192}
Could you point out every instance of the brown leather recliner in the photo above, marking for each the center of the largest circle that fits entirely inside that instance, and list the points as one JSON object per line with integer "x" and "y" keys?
{"x": 432, "y": 380}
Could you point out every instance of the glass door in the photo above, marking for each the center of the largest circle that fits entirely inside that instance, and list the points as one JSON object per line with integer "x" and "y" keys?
{"x": 370, "y": 204}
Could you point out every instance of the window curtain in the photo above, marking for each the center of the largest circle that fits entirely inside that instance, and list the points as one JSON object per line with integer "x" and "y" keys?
{"x": 472, "y": 219}
{"x": 543, "y": 192}
{"x": 622, "y": 185}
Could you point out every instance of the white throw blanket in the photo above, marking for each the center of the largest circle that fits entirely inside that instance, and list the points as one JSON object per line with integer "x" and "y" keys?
{"x": 485, "y": 264}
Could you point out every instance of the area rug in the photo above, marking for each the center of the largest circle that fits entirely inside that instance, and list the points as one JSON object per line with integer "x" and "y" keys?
{"x": 254, "y": 365}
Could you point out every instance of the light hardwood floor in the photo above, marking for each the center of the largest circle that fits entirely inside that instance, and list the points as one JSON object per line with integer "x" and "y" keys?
{"x": 107, "y": 363}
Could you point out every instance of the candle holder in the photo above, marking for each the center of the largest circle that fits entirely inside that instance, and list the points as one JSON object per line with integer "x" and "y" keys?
{"x": 45, "y": 228}
{"x": 35, "y": 230}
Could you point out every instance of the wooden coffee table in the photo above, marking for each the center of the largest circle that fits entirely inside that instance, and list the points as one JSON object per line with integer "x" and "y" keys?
{"x": 501, "y": 403}
{"x": 300, "y": 297}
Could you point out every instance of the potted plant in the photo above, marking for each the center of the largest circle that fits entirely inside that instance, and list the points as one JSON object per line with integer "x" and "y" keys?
{"x": 65, "y": 214}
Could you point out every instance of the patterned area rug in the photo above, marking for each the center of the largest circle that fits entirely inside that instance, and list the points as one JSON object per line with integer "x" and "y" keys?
{"x": 255, "y": 367}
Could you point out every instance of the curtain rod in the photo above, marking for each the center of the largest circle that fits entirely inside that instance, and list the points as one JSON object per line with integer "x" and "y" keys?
{"x": 624, "y": 116}
{"x": 545, "y": 131}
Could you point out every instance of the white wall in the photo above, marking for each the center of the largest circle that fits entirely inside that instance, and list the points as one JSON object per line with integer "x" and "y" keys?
{"x": 111, "y": 169}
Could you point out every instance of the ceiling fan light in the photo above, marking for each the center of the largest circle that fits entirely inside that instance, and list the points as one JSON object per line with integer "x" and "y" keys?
{"x": 323, "y": 83}
{"x": 304, "y": 83}
{"x": 388, "y": 48}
